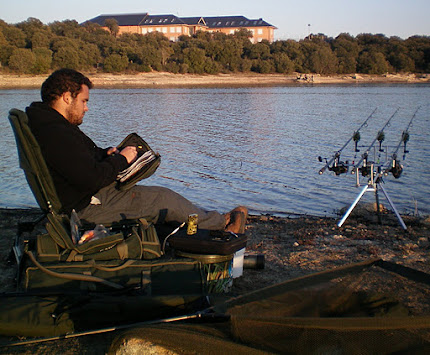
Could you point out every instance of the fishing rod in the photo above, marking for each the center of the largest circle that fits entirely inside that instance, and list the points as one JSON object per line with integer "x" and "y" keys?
{"x": 339, "y": 167}
{"x": 395, "y": 167}
{"x": 202, "y": 316}
{"x": 365, "y": 169}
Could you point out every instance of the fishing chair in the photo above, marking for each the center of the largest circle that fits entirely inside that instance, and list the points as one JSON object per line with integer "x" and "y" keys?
{"x": 36, "y": 173}
{"x": 57, "y": 245}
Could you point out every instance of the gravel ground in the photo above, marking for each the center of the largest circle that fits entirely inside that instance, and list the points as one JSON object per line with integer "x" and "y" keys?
{"x": 292, "y": 247}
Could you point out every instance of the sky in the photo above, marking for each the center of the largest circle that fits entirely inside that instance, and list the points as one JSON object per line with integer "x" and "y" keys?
{"x": 294, "y": 19}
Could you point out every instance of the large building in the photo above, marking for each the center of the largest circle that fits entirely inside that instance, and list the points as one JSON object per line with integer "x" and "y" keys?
{"x": 173, "y": 27}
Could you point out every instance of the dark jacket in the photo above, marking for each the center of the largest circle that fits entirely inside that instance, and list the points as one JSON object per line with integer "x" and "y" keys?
{"x": 78, "y": 167}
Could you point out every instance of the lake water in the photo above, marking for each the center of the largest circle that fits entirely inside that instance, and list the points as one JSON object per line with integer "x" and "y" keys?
{"x": 256, "y": 146}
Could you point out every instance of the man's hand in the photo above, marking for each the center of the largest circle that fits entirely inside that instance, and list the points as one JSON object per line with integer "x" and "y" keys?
{"x": 112, "y": 150}
{"x": 130, "y": 153}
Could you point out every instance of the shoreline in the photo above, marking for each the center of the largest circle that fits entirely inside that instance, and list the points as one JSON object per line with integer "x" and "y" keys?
{"x": 170, "y": 80}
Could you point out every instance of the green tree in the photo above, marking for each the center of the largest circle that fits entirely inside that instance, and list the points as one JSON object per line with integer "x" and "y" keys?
{"x": 66, "y": 57}
{"x": 323, "y": 61}
{"x": 43, "y": 60}
{"x": 263, "y": 66}
{"x": 115, "y": 63}
{"x": 211, "y": 67}
{"x": 5, "y": 49}
{"x": 283, "y": 63}
{"x": 372, "y": 62}
{"x": 244, "y": 36}
{"x": 67, "y": 28}
{"x": 195, "y": 59}
{"x": 308, "y": 48}
{"x": 227, "y": 51}
{"x": 293, "y": 50}
{"x": 89, "y": 55}
{"x": 419, "y": 52}
{"x": 30, "y": 27}
{"x": 112, "y": 25}
{"x": 14, "y": 36}
{"x": 398, "y": 56}
{"x": 40, "y": 39}
{"x": 373, "y": 42}
{"x": 245, "y": 65}
{"x": 259, "y": 50}
{"x": 22, "y": 61}
{"x": 346, "y": 49}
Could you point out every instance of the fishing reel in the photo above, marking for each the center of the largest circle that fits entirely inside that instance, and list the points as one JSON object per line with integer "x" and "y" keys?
{"x": 338, "y": 167}
{"x": 366, "y": 168}
{"x": 396, "y": 168}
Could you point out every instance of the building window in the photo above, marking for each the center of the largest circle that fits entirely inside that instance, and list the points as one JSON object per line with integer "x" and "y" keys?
{"x": 179, "y": 29}
{"x": 260, "y": 31}
{"x": 164, "y": 29}
{"x": 172, "y": 30}
{"x": 144, "y": 31}
{"x": 232, "y": 31}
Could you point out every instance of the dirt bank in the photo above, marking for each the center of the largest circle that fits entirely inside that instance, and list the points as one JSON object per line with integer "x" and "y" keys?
{"x": 163, "y": 79}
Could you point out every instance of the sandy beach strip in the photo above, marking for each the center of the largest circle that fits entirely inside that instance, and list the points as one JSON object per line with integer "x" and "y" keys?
{"x": 167, "y": 80}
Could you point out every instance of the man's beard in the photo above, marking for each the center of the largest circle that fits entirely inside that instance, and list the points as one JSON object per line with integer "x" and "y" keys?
{"x": 73, "y": 116}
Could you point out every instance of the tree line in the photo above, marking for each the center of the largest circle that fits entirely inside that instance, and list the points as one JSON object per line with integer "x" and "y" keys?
{"x": 32, "y": 47}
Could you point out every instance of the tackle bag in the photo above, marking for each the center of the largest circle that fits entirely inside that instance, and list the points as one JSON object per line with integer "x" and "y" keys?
{"x": 151, "y": 277}
{"x": 133, "y": 239}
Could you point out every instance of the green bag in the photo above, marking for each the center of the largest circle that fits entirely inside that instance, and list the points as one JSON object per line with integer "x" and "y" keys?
{"x": 137, "y": 240}
{"x": 156, "y": 277}
{"x": 63, "y": 314}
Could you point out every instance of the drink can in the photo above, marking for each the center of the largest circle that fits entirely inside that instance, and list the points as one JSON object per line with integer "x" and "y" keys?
{"x": 193, "y": 220}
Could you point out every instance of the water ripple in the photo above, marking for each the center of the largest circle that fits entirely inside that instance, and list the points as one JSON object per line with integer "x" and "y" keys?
{"x": 222, "y": 147}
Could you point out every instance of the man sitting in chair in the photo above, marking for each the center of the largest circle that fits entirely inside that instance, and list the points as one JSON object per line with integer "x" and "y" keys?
{"x": 84, "y": 175}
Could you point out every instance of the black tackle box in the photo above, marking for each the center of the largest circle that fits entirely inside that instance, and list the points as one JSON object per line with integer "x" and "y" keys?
{"x": 208, "y": 242}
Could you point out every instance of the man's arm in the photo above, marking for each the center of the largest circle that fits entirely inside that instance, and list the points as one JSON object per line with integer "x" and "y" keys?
{"x": 75, "y": 157}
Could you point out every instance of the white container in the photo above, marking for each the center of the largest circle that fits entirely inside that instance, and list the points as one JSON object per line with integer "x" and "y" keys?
{"x": 237, "y": 268}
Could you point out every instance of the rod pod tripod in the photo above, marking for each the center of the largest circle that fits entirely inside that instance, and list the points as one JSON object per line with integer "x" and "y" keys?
{"x": 374, "y": 185}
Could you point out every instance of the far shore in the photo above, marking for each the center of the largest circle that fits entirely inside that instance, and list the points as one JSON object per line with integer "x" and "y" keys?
{"x": 170, "y": 80}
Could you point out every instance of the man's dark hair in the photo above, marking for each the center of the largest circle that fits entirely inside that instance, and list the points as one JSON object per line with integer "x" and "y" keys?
{"x": 61, "y": 81}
